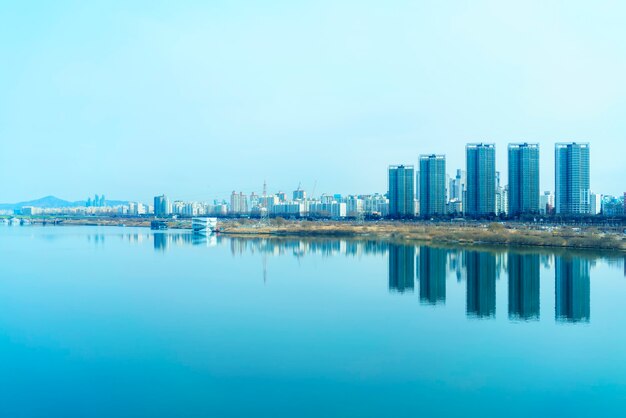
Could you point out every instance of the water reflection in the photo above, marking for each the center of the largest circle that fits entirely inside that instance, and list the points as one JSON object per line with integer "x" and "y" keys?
{"x": 572, "y": 290}
{"x": 401, "y": 268}
{"x": 432, "y": 275}
{"x": 481, "y": 284}
{"x": 523, "y": 286}
{"x": 164, "y": 240}
{"x": 475, "y": 271}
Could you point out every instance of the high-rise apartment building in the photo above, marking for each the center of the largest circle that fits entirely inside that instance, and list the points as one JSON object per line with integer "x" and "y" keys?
{"x": 162, "y": 206}
{"x": 238, "y": 203}
{"x": 572, "y": 179}
{"x": 432, "y": 197}
{"x": 401, "y": 191}
{"x": 481, "y": 179}
{"x": 299, "y": 194}
{"x": 596, "y": 203}
{"x": 523, "y": 178}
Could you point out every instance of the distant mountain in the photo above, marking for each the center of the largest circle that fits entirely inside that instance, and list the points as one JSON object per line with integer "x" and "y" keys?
{"x": 54, "y": 202}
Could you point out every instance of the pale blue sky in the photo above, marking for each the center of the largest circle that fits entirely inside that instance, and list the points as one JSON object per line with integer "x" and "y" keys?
{"x": 195, "y": 99}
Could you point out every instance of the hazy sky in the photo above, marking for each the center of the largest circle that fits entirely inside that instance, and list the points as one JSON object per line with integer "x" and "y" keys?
{"x": 197, "y": 98}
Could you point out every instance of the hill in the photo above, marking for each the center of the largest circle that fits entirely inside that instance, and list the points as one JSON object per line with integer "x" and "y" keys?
{"x": 53, "y": 202}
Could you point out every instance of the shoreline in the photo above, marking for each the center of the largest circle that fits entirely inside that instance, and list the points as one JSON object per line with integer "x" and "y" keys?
{"x": 474, "y": 234}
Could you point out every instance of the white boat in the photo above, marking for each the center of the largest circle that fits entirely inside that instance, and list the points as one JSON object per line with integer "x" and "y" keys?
{"x": 14, "y": 221}
{"x": 5, "y": 221}
{"x": 203, "y": 226}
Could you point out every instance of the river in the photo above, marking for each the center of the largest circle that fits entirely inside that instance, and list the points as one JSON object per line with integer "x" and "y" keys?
{"x": 126, "y": 322}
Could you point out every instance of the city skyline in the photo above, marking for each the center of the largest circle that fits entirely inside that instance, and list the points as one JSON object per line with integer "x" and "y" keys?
{"x": 188, "y": 92}
{"x": 425, "y": 193}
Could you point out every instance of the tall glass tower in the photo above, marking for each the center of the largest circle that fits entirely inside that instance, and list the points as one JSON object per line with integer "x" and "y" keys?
{"x": 481, "y": 179}
{"x": 523, "y": 178}
{"x": 432, "y": 177}
{"x": 572, "y": 179}
{"x": 401, "y": 191}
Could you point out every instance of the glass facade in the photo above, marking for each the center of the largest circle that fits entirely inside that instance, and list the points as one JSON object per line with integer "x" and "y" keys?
{"x": 523, "y": 179}
{"x": 573, "y": 194}
{"x": 481, "y": 179}
{"x": 432, "y": 177}
{"x": 401, "y": 191}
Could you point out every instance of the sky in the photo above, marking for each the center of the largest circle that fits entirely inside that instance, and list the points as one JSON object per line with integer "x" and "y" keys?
{"x": 196, "y": 99}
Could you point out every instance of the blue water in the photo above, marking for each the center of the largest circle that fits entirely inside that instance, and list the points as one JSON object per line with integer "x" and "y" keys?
{"x": 123, "y": 322}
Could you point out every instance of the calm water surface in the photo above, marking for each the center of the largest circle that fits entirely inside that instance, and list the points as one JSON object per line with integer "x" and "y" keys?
{"x": 124, "y": 322}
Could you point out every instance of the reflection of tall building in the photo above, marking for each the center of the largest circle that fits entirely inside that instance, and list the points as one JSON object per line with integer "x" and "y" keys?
{"x": 160, "y": 241}
{"x": 432, "y": 275}
{"x": 523, "y": 286}
{"x": 481, "y": 284}
{"x": 572, "y": 290}
{"x": 401, "y": 268}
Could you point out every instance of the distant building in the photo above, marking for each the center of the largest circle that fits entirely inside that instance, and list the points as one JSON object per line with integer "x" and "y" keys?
{"x": 455, "y": 207}
{"x": 289, "y": 209}
{"x": 299, "y": 194}
{"x": 268, "y": 202}
{"x": 30, "y": 210}
{"x": 375, "y": 205}
{"x": 612, "y": 206}
{"x": 596, "y": 203}
{"x": 502, "y": 197}
{"x": 523, "y": 179}
{"x": 546, "y": 203}
{"x": 572, "y": 179}
{"x": 354, "y": 206}
{"x": 481, "y": 179}
{"x": 282, "y": 196}
{"x": 457, "y": 186}
{"x": 401, "y": 191}
{"x": 432, "y": 185}
{"x": 238, "y": 203}
{"x": 162, "y": 206}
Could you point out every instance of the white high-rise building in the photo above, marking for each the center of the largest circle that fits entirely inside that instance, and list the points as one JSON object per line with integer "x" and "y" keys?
{"x": 596, "y": 203}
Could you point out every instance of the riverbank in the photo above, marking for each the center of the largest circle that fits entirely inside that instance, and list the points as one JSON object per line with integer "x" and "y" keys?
{"x": 502, "y": 234}
{"x": 476, "y": 234}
